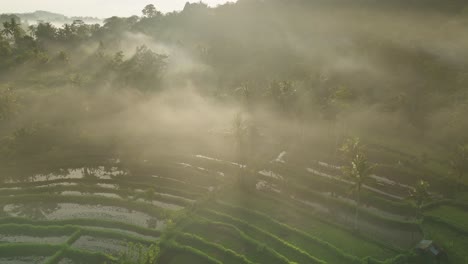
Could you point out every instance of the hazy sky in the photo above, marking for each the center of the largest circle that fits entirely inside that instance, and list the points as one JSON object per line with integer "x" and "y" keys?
{"x": 99, "y": 8}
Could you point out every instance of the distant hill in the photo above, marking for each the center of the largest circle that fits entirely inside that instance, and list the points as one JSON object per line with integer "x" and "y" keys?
{"x": 45, "y": 16}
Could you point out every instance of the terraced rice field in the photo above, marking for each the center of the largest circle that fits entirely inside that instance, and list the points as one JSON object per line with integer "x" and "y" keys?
{"x": 194, "y": 209}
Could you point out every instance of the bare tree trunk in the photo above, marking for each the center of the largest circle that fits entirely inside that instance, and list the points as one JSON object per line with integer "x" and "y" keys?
{"x": 356, "y": 212}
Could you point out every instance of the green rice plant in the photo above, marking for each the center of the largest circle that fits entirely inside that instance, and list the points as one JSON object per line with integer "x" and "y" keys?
{"x": 234, "y": 239}
{"x": 74, "y": 237}
{"x": 82, "y": 256}
{"x": 139, "y": 254}
{"x": 115, "y": 235}
{"x": 294, "y": 251}
{"x": 172, "y": 250}
{"x": 33, "y": 230}
{"x": 25, "y": 249}
{"x": 226, "y": 255}
{"x": 90, "y": 189}
{"x": 453, "y": 242}
{"x": 284, "y": 217}
{"x": 54, "y": 259}
{"x": 365, "y": 214}
{"x": 141, "y": 183}
{"x": 452, "y": 216}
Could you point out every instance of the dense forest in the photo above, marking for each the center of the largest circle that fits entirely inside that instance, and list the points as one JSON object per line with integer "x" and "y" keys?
{"x": 348, "y": 88}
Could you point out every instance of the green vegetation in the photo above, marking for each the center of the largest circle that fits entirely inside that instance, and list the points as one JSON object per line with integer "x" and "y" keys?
{"x": 252, "y": 132}
{"x": 453, "y": 242}
{"x": 451, "y": 215}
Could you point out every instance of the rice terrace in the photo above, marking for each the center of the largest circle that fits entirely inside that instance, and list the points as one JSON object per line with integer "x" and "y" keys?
{"x": 242, "y": 132}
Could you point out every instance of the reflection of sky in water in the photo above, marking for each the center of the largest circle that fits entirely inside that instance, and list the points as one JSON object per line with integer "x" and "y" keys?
{"x": 100, "y": 172}
{"x": 74, "y": 211}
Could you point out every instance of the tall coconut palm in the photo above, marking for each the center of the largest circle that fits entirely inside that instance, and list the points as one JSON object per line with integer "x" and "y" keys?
{"x": 359, "y": 171}
{"x": 239, "y": 131}
{"x": 352, "y": 147}
{"x": 420, "y": 194}
{"x": 12, "y": 29}
{"x": 245, "y": 134}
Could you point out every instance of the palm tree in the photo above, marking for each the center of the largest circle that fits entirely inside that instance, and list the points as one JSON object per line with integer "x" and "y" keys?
{"x": 239, "y": 131}
{"x": 352, "y": 147}
{"x": 359, "y": 171}
{"x": 420, "y": 194}
{"x": 245, "y": 135}
{"x": 12, "y": 29}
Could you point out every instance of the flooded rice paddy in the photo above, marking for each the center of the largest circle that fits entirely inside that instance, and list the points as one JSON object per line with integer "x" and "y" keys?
{"x": 64, "y": 211}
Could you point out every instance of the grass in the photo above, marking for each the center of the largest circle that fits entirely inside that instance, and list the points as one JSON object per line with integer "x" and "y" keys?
{"x": 27, "y": 249}
{"x": 64, "y": 250}
{"x": 73, "y": 238}
{"x": 451, "y": 215}
{"x": 81, "y": 256}
{"x": 341, "y": 205}
{"x": 241, "y": 227}
{"x": 39, "y": 231}
{"x": 453, "y": 242}
{"x": 234, "y": 239}
{"x": 87, "y": 189}
{"x": 300, "y": 177}
{"x": 221, "y": 253}
{"x": 174, "y": 253}
{"x": 318, "y": 254}
{"x": 298, "y": 218}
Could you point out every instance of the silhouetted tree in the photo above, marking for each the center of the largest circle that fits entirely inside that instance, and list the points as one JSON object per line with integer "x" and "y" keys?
{"x": 150, "y": 11}
{"x": 12, "y": 29}
{"x": 420, "y": 194}
{"x": 351, "y": 147}
{"x": 359, "y": 171}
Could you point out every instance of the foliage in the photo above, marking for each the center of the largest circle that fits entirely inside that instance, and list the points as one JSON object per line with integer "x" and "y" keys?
{"x": 139, "y": 254}
{"x": 339, "y": 76}
{"x": 420, "y": 193}
{"x": 352, "y": 147}
{"x": 150, "y": 11}
{"x": 358, "y": 171}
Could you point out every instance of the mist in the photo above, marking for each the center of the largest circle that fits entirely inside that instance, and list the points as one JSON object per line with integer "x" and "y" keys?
{"x": 335, "y": 124}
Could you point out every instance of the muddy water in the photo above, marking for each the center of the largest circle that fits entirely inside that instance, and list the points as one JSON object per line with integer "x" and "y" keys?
{"x": 222, "y": 161}
{"x": 271, "y": 174}
{"x": 125, "y": 232}
{"x": 76, "y": 193}
{"x": 108, "y": 186}
{"x": 99, "y": 172}
{"x": 162, "y": 204}
{"x": 62, "y": 211}
{"x": 105, "y": 245}
{"x": 280, "y": 157}
{"x": 66, "y": 261}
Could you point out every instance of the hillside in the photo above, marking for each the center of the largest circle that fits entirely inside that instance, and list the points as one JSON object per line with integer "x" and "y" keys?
{"x": 252, "y": 132}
